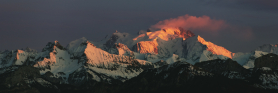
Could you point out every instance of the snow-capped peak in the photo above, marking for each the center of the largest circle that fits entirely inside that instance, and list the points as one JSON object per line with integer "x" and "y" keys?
{"x": 56, "y": 41}
{"x": 218, "y": 50}
{"x": 270, "y": 48}
{"x": 73, "y": 45}
{"x": 19, "y": 52}
{"x": 155, "y": 39}
{"x": 167, "y": 34}
{"x": 196, "y": 49}
{"x": 30, "y": 50}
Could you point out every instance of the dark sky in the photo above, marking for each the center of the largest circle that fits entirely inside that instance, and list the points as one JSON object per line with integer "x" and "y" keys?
{"x": 33, "y": 23}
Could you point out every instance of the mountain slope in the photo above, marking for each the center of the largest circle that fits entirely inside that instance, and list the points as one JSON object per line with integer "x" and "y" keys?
{"x": 196, "y": 49}
{"x": 162, "y": 60}
{"x": 184, "y": 77}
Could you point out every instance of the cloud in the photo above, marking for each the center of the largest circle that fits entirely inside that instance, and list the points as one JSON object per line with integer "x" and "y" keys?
{"x": 207, "y": 26}
{"x": 204, "y": 23}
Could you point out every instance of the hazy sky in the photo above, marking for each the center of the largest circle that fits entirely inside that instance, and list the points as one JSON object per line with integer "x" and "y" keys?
{"x": 33, "y": 23}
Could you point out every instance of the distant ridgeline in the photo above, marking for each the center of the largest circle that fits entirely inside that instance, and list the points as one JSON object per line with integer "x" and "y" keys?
{"x": 167, "y": 60}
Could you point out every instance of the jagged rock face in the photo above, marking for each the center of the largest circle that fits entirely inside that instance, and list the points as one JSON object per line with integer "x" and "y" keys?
{"x": 112, "y": 49}
{"x": 192, "y": 50}
{"x": 178, "y": 33}
{"x": 196, "y": 49}
{"x": 18, "y": 57}
{"x": 144, "y": 47}
{"x": 117, "y": 37}
{"x": 169, "y": 41}
{"x": 97, "y": 57}
{"x": 114, "y": 75}
{"x": 63, "y": 65}
{"x": 265, "y": 77}
{"x": 160, "y": 56}
{"x": 218, "y": 50}
{"x": 120, "y": 49}
{"x": 247, "y": 59}
{"x": 269, "y": 60}
{"x": 156, "y": 39}
{"x": 89, "y": 76}
{"x": 49, "y": 47}
{"x": 60, "y": 63}
{"x": 268, "y": 48}
{"x": 112, "y": 40}
{"x": 58, "y": 45}
{"x": 105, "y": 67}
{"x": 47, "y": 61}
{"x": 186, "y": 33}
{"x": 30, "y": 50}
{"x": 7, "y": 58}
{"x": 124, "y": 50}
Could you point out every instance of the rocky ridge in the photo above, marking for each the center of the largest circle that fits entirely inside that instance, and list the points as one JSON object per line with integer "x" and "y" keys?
{"x": 124, "y": 58}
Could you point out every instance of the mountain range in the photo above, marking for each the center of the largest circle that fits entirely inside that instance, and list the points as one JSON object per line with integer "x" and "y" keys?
{"x": 166, "y": 60}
